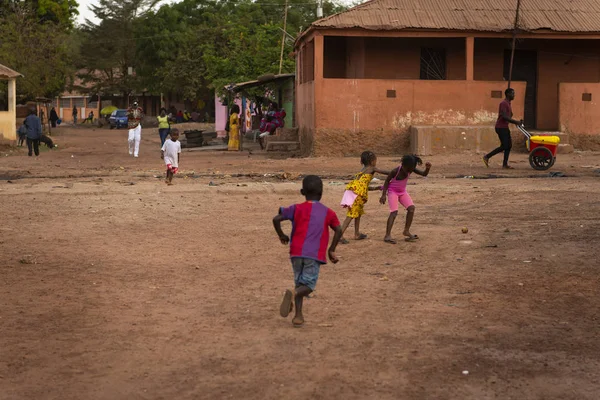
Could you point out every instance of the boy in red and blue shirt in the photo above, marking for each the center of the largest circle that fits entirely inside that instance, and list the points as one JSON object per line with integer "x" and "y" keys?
{"x": 311, "y": 221}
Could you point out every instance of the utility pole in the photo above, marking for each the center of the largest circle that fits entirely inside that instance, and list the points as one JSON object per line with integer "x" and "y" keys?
{"x": 319, "y": 8}
{"x": 514, "y": 42}
{"x": 283, "y": 36}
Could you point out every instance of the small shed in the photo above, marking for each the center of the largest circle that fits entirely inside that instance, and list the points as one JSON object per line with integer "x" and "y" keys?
{"x": 8, "y": 105}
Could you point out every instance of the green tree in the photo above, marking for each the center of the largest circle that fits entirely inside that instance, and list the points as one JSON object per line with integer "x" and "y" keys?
{"x": 109, "y": 48}
{"x": 194, "y": 45}
{"x": 62, "y": 12}
{"x": 37, "y": 48}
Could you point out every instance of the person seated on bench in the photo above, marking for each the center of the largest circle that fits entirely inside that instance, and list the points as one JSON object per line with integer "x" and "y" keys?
{"x": 275, "y": 118}
{"x": 89, "y": 118}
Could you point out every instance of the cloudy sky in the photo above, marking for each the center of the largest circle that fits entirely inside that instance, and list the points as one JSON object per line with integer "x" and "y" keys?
{"x": 84, "y": 12}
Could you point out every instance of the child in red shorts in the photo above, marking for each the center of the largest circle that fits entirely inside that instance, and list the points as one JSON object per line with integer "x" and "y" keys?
{"x": 311, "y": 221}
{"x": 170, "y": 153}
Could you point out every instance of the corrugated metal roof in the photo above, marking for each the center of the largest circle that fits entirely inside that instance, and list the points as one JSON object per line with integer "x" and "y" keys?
{"x": 469, "y": 15}
{"x": 6, "y": 72}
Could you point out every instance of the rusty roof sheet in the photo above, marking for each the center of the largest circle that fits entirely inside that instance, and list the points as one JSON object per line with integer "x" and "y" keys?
{"x": 8, "y": 73}
{"x": 469, "y": 15}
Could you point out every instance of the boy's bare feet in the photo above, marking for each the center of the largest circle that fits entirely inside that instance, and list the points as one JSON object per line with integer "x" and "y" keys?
{"x": 507, "y": 167}
{"x": 298, "y": 321}
{"x": 286, "y": 304}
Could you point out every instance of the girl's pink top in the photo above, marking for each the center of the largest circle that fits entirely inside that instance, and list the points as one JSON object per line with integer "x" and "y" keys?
{"x": 398, "y": 186}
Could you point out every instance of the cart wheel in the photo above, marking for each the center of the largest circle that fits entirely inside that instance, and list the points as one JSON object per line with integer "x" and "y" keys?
{"x": 541, "y": 158}
{"x": 553, "y": 161}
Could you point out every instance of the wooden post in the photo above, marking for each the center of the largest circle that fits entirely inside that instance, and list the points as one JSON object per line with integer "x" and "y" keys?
{"x": 514, "y": 42}
{"x": 470, "y": 54}
{"x": 283, "y": 36}
{"x": 12, "y": 109}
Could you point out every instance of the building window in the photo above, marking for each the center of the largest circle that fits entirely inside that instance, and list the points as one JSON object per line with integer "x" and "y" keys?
{"x": 79, "y": 102}
{"x": 307, "y": 58}
{"x": 433, "y": 64}
{"x": 65, "y": 103}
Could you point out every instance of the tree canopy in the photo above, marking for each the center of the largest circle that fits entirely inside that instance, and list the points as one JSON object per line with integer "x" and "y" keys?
{"x": 36, "y": 41}
{"x": 195, "y": 45}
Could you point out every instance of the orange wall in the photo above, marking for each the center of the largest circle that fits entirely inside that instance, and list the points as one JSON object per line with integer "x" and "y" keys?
{"x": 577, "y": 116}
{"x": 356, "y": 113}
{"x": 363, "y": 103}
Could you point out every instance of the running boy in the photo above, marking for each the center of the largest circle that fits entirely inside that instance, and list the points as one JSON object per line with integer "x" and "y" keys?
{"x": 395, "y": 189}
{"x": 310, "y": 237}
{"x": 170, "y": 153}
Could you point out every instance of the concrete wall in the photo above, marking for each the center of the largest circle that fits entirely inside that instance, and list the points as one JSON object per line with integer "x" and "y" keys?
{"x": 439, "y": 139}
{"x": 356, "y": 114}
{"x": 558, "y": 61}
{"x": 8, "y": 119}
{"x": 305, "y": 116}
{"x": 581, "y": 119}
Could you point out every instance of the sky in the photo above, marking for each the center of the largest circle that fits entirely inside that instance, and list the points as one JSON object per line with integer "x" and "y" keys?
{"x": 84, "y": 12}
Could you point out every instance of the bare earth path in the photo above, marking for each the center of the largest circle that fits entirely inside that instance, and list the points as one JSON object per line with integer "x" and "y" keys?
{"x": 114, "y": 286}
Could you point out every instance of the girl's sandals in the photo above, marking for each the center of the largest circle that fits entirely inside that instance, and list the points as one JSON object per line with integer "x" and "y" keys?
{"x": 344, "y": 241}
{"x": 412, "y": 238}
{"x": 361, "y": 236}
{"x": 390, "y": 241}
{"x": 298, "y": 322}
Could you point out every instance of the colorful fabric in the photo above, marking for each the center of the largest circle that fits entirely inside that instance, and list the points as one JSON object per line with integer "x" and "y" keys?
{"x": 506, "y": 108}
{"x": 234, "y": 133}
{"x": 398, "y": 185}
{"x": 310, "y": 229}
{"x": 402, "y": 198}
{"x": 348, "y": 199}
{"x": 360, "y": 186}
{"x": 173, "y": 169}
{"x": 163, "y": 122}
{"x": 134, "y": 117}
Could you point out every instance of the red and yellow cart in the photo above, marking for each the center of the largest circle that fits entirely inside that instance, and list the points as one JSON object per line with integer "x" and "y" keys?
{"x": 542, "y": 149}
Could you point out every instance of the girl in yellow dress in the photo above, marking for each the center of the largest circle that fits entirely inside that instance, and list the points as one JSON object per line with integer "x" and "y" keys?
{"x": 234, "y": 129}
{"x": 360, "y": 186}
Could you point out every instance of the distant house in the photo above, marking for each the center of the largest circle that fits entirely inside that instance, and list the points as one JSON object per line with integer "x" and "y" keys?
{"x": 8, "y": 104}
{"x": 365, "y": 76}
{"x": 81, "y": 96}
{"x": 75, "y": 98}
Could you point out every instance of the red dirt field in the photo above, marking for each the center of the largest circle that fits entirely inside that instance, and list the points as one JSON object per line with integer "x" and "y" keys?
{"x": 115, "y": 286}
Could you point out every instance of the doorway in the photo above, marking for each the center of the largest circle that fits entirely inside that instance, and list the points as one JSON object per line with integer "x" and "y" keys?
{"x": 524, "y": 70}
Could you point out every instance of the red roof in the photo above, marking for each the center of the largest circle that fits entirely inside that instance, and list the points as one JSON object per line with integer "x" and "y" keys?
{"x": 469, "y": 15}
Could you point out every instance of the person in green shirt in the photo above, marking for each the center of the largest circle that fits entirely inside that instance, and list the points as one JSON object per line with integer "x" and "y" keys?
{"x": 163, "y": 126}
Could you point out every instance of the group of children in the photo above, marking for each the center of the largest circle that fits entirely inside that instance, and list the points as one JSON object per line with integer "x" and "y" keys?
{"x": 311, "y": 222}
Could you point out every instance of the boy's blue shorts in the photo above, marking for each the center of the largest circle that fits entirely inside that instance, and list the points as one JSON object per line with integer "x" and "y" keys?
{"x": 306, "y": 272}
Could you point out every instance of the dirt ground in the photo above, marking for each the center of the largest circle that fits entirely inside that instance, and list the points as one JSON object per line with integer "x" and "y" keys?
{"x": 115, "y": 286}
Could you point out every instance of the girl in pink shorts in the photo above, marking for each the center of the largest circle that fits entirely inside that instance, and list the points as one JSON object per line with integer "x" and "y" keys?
{"x": 395, "y": 191}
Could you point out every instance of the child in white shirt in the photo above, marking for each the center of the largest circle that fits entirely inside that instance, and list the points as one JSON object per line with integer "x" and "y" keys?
{"x": 170, "y": 153}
